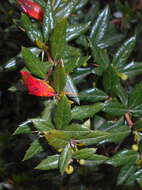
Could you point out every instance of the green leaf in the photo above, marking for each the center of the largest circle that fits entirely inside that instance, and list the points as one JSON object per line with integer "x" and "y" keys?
{"x": 75, "y": 30}
{"x": 110, "y": 40}
{"x": 23, "y": 128}
{"x": 33, "y": 63}
{"x": 132, "y": 69}
{"x": 62, "y": 113}
{"x": 111, "y": 81}
{"x": 93, "y": 138}
{"x": 101, "y": 57}
{"x": 81, "y": 73}
{"x": 75, "y": 61}
{"x": 81, "y": 4}
{"x": 136, "y": 176}
{"x": 114, "y": 108}
{"x": 100, "y": 27}
{"x": 48, "y": 21}
{"x": 135, "y": 96}
{"x": 51, "y": 162}
{"x": 70, "y": 52}
{"x": 105, "y": 125}
{"x": 76, "y": 131}
{"x": 122, "y": 94}
{"x": 135, "y": 101}
{"x": 34, "y": 149}
{"x": 93, "y": 95}
{"x": 118, "y": 133}
{"x": 82, "y": 112}
{"x": 42, "y": 125}
{"x": 65, "y": 158}
{"x": 66, "y": 10}
{"x": 32, "y": 30}
{"x": 48, "y": 110}
{"x": 57, "y": 139}
{"x": 71, "y": 90}
{"x": 59, "y": 78}
{"x": 124, "y": 52}
{"x": 125, "y": 172}
{"x": 58, "y": 39}
{"x": 84, "y": 153}
{"x": 123, "y": 157}
{"x": 96, "y": 159}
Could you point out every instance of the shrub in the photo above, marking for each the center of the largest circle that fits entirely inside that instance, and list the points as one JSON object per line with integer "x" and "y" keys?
{"x": 80, "y": 67}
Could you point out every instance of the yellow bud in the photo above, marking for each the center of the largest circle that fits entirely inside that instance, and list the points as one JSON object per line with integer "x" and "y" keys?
{"x": 135, "y": 147}
{"x": 60, "y": 150}
{"x": 81, "y": 162}
{"x": 69, "y": 170}
{"x": 139, "y": 162}
{"x": 123, "y": 76}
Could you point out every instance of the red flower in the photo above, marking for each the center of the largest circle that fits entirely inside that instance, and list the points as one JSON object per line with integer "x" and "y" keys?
{"x": 37, "y": 87}
{"x": 32, "y": 9}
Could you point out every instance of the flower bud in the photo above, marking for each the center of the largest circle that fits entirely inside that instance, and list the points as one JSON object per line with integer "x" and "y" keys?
{"x": 31, "y": 8}
{"x": 69, "y": 170}
{"x": 36, "y": 86}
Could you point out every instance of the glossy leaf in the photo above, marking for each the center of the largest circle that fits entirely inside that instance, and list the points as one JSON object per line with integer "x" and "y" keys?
{"x": 51, "y": 162}
{"x": 111, "y": 81}
{"x": 76, "y": 30}
{"x": 84, "y": 153}
{"x": 122, "y": 94}
{"x": 118, "y": 133}
{"x": 124, "y": 52}
{"x": 82, "y": 112}
{"x": 81, "y": 4}
{"x": 132, "y": 179}
{"x": 42, "y": 125}
{"x": 96, "y": 159}
{"x": 23, "y": 128}
{"x": 93, "y": 95}
{"x": 135, "y": 96}
{"x": 123, "y": 157}
{"x": 93, "y": 138}
{"x": 73, "y": 62}
{"x": 48, "y": 110}
{"x": 132, "y": 69}
{"x": 58, "y": 39}
{"x": 115, "y": 108}
{"x": 34, "y": 65}
{"x": 70, "y": 51}
{"x": 101, "y": 57}
{"x": 125, "y": 172}
{"x": 34, "y": 149}
{"x": 71, "y": 90}
{"x": 59, "y": 78}
{"x": 110, "y": 40}
{"x": 48, "y": 21}
{"x": 66, "y": 10}
{"x": 62, "y": 113}
{"x": 65, "y": 158}
{"x": 100, "y": 27}
{"x": 31, "y": 30}
{"x": 57, "y": 139}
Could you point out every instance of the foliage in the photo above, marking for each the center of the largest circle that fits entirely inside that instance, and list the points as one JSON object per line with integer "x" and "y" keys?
{"x": 74, "y": 80}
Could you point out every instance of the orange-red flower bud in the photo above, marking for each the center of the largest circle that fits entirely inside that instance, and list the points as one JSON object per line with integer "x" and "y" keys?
{"x": 31, "y": 8}
{"x": 36, "y": 86}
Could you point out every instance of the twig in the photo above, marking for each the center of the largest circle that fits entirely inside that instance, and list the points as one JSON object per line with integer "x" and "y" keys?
{"x": 128, "y": 119}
